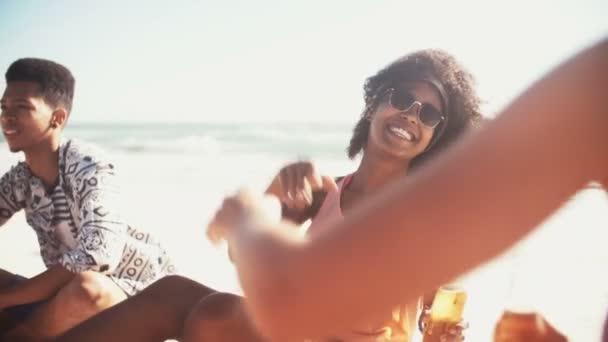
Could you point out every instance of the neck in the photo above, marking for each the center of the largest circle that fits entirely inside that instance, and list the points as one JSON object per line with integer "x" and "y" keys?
{"x": 374, "y": 172}
{"x": 43, "y": 161}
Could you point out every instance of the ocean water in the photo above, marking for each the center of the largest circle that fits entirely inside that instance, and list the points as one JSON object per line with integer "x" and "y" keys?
{"x": 175, "y": 176}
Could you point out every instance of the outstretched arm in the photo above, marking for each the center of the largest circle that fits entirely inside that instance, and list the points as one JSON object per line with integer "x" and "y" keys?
{"x": 477, "y": 200}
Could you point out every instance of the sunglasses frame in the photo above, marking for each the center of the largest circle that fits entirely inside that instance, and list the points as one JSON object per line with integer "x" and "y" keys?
{"x": 391, "y": 91}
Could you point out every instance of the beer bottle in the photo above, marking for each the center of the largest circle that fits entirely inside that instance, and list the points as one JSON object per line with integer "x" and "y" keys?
{"x": 446, "y": 311}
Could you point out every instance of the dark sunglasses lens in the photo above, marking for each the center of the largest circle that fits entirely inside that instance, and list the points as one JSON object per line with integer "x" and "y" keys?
{"x": 429, "y": 116}
{"x": 401, "y": 100}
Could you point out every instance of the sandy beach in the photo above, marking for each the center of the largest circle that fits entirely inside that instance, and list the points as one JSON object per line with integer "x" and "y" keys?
{"x": 560, "y": 270}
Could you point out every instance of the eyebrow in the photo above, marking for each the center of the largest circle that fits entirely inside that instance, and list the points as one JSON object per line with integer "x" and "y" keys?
{"x": 23, "y": 100}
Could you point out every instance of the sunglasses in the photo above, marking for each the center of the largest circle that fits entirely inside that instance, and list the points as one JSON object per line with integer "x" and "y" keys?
{"x": 403, "y": 102}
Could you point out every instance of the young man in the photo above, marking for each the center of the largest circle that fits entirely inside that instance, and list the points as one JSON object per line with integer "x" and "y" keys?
{"x": 94, "y": 259}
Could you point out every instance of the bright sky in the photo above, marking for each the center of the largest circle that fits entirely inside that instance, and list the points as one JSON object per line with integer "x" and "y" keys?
{"x": 273, "y": 60}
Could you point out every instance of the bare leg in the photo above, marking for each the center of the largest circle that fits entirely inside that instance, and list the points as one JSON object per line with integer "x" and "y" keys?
{"x": 220, "y": 317}
{"x": 7, "y": 280}
{"x": 86, "y": 295}
{"x": 156, "y": 314}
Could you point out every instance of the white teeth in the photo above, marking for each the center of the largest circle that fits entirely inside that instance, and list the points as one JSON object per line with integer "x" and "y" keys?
{"x": 402, "y": 133}
{"x": 10, "y": 132}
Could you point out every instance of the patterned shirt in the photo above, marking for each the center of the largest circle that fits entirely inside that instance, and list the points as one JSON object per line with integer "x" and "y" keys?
{"x": 78, "y": 224}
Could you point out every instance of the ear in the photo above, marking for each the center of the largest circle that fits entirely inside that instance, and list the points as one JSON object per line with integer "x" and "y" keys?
{"x": 369, "y": 112}
{"x": 59, "y": 117}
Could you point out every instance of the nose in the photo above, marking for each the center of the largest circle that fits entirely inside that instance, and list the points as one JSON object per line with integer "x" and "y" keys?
{"x": 5, "y": 117}
{"x": 413, "y": 112}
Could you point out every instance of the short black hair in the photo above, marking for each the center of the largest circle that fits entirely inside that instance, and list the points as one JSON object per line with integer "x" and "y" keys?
{"x": 55, "y": 80}
{"x": 458, "y": 95}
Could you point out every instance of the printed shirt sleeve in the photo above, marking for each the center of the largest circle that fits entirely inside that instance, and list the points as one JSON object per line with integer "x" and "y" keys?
{"x": 102, "y": 233}
{"x": 9, "y": 203}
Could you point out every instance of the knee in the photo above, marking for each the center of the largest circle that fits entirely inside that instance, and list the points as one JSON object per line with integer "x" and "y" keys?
{"x": 217, "y": 306}
{"x": 219, "y": 317}
{"x": 89, "y": 290}
{"x": 176, "y": 289}
{"x": 176, "y": 283}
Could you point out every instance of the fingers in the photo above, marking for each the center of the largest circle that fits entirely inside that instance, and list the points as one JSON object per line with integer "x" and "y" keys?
{"x": 232, "y": 211}
{"x": 462, "y": 325}
{"x": 299, "y": 180}
{"x": 240, "y": 207}
{"x": 302, "y": 193}
{"x": 286, "y": 179}
{"x": 329, "y": 184}
{"x": 455, "y": 332}
{"x": 215, "y": 231}
{"x": 423, "y": 320}
{"x": 314, "y": 178}
{"x": 222, "y": 220}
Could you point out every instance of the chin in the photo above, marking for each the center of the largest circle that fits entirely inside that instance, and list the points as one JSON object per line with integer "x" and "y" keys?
{"x": 406, "y": 154}
{"x": 14, "y": 149}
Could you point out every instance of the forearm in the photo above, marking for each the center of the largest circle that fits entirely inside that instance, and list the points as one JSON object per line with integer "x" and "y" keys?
{"x": 40, "y": 287}
{"x": 264, "y": 258}
{"x": 472, "y": 204}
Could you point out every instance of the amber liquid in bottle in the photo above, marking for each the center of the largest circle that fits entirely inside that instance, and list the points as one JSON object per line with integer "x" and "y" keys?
{"x": 446, "y": 311}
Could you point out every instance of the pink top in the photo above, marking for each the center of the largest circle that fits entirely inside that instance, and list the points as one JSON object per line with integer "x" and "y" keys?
{"x": 330, "y": 209}
{"x": 384, "y": 325}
